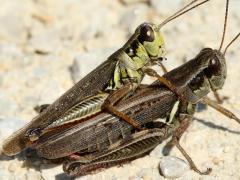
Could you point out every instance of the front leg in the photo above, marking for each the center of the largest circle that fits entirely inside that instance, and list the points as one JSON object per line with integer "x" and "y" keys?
{"x": 165, "y": 82}
{"x": 114, "y": 98}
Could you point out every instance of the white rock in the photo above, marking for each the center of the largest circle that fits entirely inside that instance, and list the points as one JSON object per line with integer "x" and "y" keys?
{"x": 172, "y": 167}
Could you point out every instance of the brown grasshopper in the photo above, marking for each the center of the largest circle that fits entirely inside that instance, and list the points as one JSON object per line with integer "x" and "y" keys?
{"x": 120, "y": 75}
{"x": 104, "y": 140}
{"x": 90, "y": 139}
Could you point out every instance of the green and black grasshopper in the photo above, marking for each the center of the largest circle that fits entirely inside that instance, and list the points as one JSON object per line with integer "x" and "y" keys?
{"x": 103, "y": 140}
{"x": 116, "y": 78}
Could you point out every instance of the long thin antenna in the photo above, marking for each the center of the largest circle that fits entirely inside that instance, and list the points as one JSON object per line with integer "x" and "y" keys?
{"x": 234, "y": 39}
{"x": 180, "y": 12}
{"x": 225, "y": 25}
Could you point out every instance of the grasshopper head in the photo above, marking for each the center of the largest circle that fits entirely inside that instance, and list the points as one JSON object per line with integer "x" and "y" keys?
{"x": 150, "y": 37}
{"x": 212, "y": 74}
{"x": 216, "y": 71}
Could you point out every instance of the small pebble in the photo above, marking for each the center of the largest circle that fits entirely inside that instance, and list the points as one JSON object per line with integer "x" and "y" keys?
{"x": 226, "y": 149}
{"x": 172, "y": 167}
{"x": 216, "y": 160}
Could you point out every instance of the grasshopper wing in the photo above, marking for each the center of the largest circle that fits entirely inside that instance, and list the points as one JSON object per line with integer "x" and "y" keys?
{"x": 99, "y": 132}
{"x": 90, "y": 85}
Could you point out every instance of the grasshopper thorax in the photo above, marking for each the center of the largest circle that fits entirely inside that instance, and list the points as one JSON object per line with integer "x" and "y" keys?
{"x": 144, "y": 48}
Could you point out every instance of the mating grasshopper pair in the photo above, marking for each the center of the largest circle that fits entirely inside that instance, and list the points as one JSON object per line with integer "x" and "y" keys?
{"x": 103, "y": 140}
{"x": 120, "y": 74}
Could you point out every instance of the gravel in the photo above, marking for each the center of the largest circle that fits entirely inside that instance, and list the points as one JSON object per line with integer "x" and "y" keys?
{"x": 48, "y": 45}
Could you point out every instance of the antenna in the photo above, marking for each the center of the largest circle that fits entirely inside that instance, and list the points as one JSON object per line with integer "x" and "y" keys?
{"x": 225, "y": 25}
{"x": 182, "y": 11}
{"x": 234, "y": 39}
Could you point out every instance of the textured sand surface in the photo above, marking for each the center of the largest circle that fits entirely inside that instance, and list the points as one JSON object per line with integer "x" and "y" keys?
{"x": 47, "y": 45}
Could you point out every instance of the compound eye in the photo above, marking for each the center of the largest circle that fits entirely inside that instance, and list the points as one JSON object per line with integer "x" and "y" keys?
{"x": 146, "y": 33}
{"x": 214, "y": 67}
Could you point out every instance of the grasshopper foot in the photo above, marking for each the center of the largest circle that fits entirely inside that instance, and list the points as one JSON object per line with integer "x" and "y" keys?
{"x": 189, "y": 159}
{"x": 80, "y": 169}
{"x": 175, "y": 142}
{"x": 207, "y": 172}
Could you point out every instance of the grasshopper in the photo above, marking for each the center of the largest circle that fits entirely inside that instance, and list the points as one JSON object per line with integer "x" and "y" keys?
{"x": 104, "y": 140}
{"x": 120, "y": 75}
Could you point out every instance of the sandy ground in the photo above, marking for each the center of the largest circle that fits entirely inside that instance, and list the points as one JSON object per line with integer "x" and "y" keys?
{"x": 47, "y": 45}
